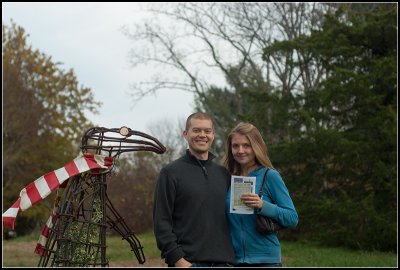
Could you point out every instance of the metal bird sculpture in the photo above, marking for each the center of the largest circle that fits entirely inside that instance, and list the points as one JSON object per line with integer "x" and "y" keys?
{"x": 75, "y": 233}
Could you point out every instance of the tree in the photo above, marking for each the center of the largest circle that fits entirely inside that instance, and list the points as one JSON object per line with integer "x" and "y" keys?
{"x": 131, "y": 189}
{"x": 348, "y": 143}
{"x": 43, "y": 115}
{"x": 196, "y": 46}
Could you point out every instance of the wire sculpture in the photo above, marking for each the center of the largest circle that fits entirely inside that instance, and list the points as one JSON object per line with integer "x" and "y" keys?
{"x": 75, "y": 234}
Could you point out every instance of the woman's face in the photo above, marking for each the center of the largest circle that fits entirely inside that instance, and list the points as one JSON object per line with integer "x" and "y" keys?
{"x": 242, "y": 150}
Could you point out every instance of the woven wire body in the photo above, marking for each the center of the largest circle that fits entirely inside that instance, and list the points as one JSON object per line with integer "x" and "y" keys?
{"x": 82, "y": 211}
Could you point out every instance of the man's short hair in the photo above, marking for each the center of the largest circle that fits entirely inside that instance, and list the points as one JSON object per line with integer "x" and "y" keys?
{"x": 198, "y": 115}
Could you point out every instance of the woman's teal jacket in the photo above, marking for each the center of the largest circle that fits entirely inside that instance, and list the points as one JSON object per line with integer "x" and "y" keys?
{"x": 249, "y": 245}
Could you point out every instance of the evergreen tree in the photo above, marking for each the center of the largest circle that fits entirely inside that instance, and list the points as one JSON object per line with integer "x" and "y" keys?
{"x": 342, "y": 169}
{"x": 334, "y": 140}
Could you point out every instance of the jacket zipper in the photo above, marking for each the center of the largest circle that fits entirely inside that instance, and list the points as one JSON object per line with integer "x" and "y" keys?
{"x": 243, "y": 238}
{"x": 203, "y": 168}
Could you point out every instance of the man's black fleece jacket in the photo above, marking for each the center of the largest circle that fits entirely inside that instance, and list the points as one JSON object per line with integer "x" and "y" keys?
{"x": 189, "y": 212}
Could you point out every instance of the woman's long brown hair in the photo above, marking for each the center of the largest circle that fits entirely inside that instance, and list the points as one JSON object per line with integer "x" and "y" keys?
{"x": 257, "y": 143}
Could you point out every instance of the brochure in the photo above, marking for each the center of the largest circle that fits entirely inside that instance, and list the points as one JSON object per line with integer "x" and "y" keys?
{"x": 240, "y": 185}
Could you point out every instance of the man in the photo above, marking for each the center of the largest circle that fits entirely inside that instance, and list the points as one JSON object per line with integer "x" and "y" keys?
{"x": 190, "y": 222}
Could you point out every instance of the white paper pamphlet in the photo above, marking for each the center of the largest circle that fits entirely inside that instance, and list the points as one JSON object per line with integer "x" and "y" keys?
{"x": 239, "y": 186}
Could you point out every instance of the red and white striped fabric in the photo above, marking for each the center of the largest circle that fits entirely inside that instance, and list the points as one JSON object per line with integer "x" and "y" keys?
{"x": 49, "y": 224}
{"x": 44, "y": 185}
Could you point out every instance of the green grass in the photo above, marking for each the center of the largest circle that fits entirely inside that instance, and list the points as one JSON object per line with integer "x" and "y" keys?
{"x": 19, "y": 253}
{"x": 296, "y": 254}
{"x": 119, "y": 251}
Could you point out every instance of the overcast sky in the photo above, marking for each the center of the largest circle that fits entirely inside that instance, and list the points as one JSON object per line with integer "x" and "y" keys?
{"x": 87, "y": 38}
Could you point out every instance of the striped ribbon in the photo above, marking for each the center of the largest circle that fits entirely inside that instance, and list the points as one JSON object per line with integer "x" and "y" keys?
{"x": 50, "y": 222}
{"x": 46, "y": 184}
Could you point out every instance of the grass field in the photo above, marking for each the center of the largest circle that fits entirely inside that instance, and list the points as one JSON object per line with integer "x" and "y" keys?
{"x": 19, "y": 253}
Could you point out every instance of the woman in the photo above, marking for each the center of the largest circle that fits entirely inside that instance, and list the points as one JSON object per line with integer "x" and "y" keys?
{"x": 246, "y": 155}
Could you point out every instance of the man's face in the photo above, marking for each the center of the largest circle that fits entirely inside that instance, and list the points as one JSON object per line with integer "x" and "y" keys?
{"x": 200, "y": 135}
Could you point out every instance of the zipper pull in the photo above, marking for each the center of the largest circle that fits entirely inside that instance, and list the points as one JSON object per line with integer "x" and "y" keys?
{"x": 204, "y": 170}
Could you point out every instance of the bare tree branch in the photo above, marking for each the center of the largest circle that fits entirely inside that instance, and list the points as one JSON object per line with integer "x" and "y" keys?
{"x": 200, "y": 39}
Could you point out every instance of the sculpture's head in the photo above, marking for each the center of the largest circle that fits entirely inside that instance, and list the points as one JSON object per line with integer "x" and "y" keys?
{"x": 114, "y": 141}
